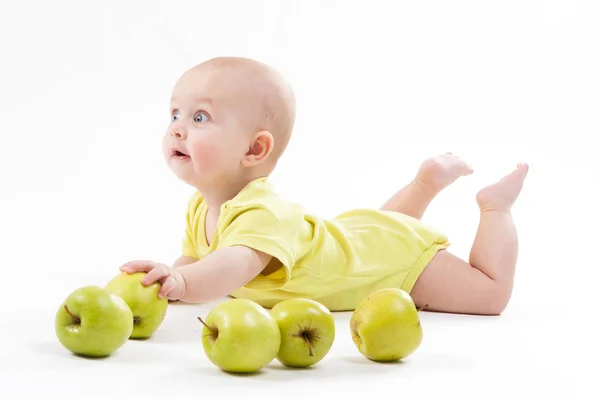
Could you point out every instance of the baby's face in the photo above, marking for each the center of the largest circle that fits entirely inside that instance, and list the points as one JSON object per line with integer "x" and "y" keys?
{"x": 208, "y": 134}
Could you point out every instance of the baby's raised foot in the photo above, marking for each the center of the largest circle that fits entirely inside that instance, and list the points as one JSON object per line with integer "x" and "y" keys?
{"x": 501, "y": 195}
{"x": 440, "y": 171}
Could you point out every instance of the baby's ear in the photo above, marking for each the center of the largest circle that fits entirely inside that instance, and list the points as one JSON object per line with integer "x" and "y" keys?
{"x": 260, "y": 148}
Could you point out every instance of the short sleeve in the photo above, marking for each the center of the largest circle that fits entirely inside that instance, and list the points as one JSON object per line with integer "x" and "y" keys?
{"x": 259, "y": 228}
{"x": 188, "y": 243}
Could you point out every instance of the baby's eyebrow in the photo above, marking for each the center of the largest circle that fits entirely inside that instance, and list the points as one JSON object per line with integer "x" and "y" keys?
{"x": 197, "y": 100}
{"x": 203, "y": 100}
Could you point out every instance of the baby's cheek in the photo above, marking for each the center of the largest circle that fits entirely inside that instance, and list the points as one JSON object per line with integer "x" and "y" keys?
{"x": 206, "y": 156}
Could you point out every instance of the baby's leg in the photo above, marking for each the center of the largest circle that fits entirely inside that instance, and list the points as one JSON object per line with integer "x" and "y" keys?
{"x": 433, "y": 176}
{"x": 484, "y": 284}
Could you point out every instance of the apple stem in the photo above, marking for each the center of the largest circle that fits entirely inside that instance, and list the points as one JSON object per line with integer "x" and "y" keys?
{"x": 307, "y": 336}
{"x": 310, "y": 352}
{"x": 76, "y": 319}
{"x": 202, "y": 321}
{"x": 423, "y": 307}
{"x": 213, "y": 330}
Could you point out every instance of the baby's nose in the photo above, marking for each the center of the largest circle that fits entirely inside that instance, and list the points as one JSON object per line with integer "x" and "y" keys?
{"x": 176, "y": 133}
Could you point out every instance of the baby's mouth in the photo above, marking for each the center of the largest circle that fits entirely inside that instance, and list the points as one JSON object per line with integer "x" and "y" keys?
{"x": 178, "y": 154}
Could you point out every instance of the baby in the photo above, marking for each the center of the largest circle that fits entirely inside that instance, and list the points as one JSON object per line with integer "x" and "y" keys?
{"x": 231, "y": 120}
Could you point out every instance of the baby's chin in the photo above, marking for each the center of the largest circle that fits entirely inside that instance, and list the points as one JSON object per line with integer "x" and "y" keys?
{"x": 190, "y": 176}
{"x": 188, "y": 179}
{"x": 182, "y": 168}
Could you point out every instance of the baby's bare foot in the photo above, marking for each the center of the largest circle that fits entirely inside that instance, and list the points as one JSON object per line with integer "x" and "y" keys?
{"x": 501, "y": 195}
{"x": 441, "y": 171}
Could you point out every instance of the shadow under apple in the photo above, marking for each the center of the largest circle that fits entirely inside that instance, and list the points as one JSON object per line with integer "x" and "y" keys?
{"x": 365, "y": 361}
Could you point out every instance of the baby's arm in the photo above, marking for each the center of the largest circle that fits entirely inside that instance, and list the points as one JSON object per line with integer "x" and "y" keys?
{"x": 214, "y": 276}
{"x": 183, "y": 260}
{"x": 221, "y": 273}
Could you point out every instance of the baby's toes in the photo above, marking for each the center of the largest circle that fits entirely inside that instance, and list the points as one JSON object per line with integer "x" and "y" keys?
{"x": 467, "y": 169}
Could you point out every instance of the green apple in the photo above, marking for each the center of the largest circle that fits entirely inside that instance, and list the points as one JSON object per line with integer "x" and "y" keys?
{"x": 148, "y": 309}
{"x": 385, "y": 326}
{"x": 93, "y": 322}
{"x": 307, "y": 331}
{"x": 240, "y": 336}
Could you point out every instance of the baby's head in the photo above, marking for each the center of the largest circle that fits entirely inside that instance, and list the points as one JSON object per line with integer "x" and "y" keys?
{"x": 231, "y": 120}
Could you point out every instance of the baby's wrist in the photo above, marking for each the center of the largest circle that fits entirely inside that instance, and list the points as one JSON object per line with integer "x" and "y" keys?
{"x": 180, "y": 284}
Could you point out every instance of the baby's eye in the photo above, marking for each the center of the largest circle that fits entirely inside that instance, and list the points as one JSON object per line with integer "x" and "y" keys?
{"x": 201, "y": 117}
{"x": 175, "y": 116}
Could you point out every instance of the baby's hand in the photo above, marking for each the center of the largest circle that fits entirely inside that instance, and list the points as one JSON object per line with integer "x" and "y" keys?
{"x": 173, "y": 285}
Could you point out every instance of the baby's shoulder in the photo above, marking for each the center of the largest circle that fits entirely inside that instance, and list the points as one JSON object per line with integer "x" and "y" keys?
{"x": 261, "y": 194}
{"x": 257, "y": 192}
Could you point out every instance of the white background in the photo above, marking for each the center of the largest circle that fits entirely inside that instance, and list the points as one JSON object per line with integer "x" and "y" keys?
{"x": 84, "y": 91}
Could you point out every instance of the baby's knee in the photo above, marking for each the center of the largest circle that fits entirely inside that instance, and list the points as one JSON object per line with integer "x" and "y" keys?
{"x": 497, "y": 300}
{"x": 449, "y": 284}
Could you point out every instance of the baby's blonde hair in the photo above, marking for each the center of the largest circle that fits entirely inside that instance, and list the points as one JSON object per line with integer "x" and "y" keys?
{"x": 272, "y": 97}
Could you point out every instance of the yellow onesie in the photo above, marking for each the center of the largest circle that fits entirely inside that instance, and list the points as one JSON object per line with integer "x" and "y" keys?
{"x": 337, "y": 262}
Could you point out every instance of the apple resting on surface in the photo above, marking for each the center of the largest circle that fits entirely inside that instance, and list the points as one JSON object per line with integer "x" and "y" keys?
{"x": 240, "y": 336}
{"x": 148, "y": 309}
{"x": 92, "y": 322}
{"x": 385, "y": 326}
{"x": 307, "y": 331}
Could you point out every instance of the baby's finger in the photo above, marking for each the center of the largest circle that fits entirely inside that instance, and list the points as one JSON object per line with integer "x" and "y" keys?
{"x": 155, "y": 275}
{"x": 133, "y": 262}
{"x": 139, "y": 266}
{"x": 167, "y": 287}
